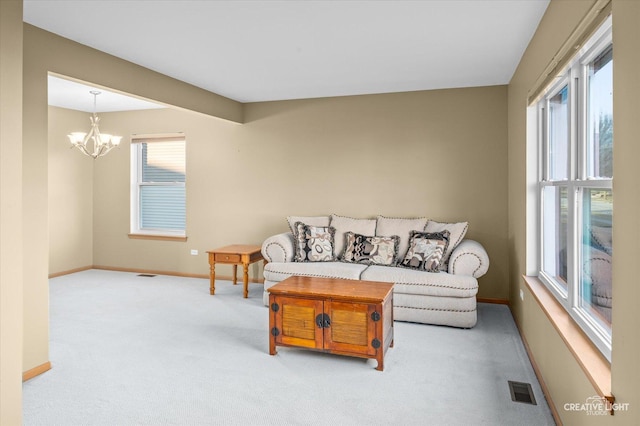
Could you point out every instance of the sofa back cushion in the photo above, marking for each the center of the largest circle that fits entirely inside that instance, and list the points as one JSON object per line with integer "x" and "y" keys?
{"x": 401, "y": 227}
{"x": 307, "y": 220}
{"x": 343, "y": 224}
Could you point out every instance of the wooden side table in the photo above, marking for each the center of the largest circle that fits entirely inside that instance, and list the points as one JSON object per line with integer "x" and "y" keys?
{"x": 236, "y": 254}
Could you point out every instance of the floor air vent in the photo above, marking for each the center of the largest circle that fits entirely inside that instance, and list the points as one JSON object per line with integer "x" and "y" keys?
{"x": 521, "y": 392}
{"x": 146, "y": 275}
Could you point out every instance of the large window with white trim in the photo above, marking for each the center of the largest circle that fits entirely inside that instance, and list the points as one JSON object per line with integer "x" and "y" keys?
{"x": 158, "y": 193}
{"x": 575, "y": 187}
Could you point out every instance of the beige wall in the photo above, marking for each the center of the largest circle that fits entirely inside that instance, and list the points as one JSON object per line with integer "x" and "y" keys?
{"x": 626, "y": 226}
{"x": 11, "y": 280}
{"x": 45, "y": 52}
{"x": 440, "y": 154}
{"x": 70, "y": 192}
{"x": 566, "y": 381}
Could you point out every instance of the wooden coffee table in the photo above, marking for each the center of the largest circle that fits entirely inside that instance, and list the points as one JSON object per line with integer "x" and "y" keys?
{"x": 345, "y": 317}
{"x": 236, "y": 254}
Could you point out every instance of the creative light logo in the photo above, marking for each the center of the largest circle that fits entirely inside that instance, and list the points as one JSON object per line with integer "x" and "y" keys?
{"x": 596, "y": 406}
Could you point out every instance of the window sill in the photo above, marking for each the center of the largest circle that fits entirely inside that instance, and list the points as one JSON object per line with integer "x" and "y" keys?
{"x": 595, "y": 366}
{"x": 157, "y": 237}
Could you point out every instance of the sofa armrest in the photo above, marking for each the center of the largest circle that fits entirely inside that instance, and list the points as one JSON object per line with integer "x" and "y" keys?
{"x": 279, "y": 248}
{"x": 469, "y": 258}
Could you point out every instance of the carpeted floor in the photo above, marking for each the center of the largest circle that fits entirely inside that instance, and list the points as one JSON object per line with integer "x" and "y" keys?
{"x": 130, "y": 350}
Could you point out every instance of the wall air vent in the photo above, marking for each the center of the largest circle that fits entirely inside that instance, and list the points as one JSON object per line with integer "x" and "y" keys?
{"x": 521, "y": 392}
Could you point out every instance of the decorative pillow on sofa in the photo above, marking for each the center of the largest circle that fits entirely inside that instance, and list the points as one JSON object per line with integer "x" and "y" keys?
{"x": 344, "y": 224}
{"x": 313, "y": 243}
{"x": 426, "y": 250}
{"x": 457, "y": 232}
{"x": 370, "y": 250}
{"x": 400, "y": 227}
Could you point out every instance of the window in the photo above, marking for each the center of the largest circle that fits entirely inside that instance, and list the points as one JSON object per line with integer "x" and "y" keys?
{"x": 575, "y": 195}
{"x": 158, "y": 193}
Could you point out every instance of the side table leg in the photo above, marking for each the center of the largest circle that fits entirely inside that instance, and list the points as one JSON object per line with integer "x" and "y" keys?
{"x": 235, "y": 274}
{"x": 212, "y": 277}
{"x": 245, "y": 266}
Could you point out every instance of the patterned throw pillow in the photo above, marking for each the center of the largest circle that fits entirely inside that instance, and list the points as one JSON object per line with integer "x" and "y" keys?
{"x": 426, "y": 250}
{"x": 371, "y": 250}
{"x": 457, "y": 231}
{"x": 313, "y": 243}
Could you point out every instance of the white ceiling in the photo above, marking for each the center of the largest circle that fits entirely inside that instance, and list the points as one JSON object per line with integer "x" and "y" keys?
{"x": 273, "y": 50}
{"x": 73, "y": 95}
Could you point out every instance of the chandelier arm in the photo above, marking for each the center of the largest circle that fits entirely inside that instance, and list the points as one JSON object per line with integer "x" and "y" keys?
{"x": 90, "y": 134}
{"x": 84, "y": 150}
{"x": 100, "y": 152}
{"x": 86, "y": 140}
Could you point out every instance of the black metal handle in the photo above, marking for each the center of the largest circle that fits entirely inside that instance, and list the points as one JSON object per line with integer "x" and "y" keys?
{"x": 323, "y": 321}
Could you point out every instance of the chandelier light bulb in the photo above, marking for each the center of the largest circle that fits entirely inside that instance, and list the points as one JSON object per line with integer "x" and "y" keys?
{"x": 76, "y": 137}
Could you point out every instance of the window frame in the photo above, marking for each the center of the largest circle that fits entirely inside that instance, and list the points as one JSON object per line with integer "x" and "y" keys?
{"x": 575, "y": 76}
{"x": 136, "y": 183}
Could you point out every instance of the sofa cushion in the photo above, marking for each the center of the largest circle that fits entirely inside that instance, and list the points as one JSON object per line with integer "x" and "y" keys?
{"x": 345, "y": 224}
{"x": 400, "y": 227}
{"x": 313, "y": 243}
{"x": 309, "y": 220}
{"x": 442, "y": 303}
{"x": 280, "y": 271}
{"x": 451, "y": 317}
{"x": 426, "y": 250}
{"x": 457, "y": 232}
{"x": 411, "y": 281}
{"x": 371, "y": 250}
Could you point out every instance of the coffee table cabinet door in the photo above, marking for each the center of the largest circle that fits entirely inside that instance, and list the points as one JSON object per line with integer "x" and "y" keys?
{"x": 352, "y": 329}
{"x": 295, "y": 320}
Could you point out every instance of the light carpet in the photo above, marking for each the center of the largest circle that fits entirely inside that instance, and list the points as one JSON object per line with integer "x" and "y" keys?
{"x": 131, "y": 350}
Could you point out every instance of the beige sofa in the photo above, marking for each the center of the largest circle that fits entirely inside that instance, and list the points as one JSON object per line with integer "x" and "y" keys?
{"x": 446, "y": 296}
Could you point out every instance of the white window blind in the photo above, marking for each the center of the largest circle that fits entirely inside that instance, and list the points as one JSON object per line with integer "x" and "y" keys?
{"x": 158, "y": 184}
